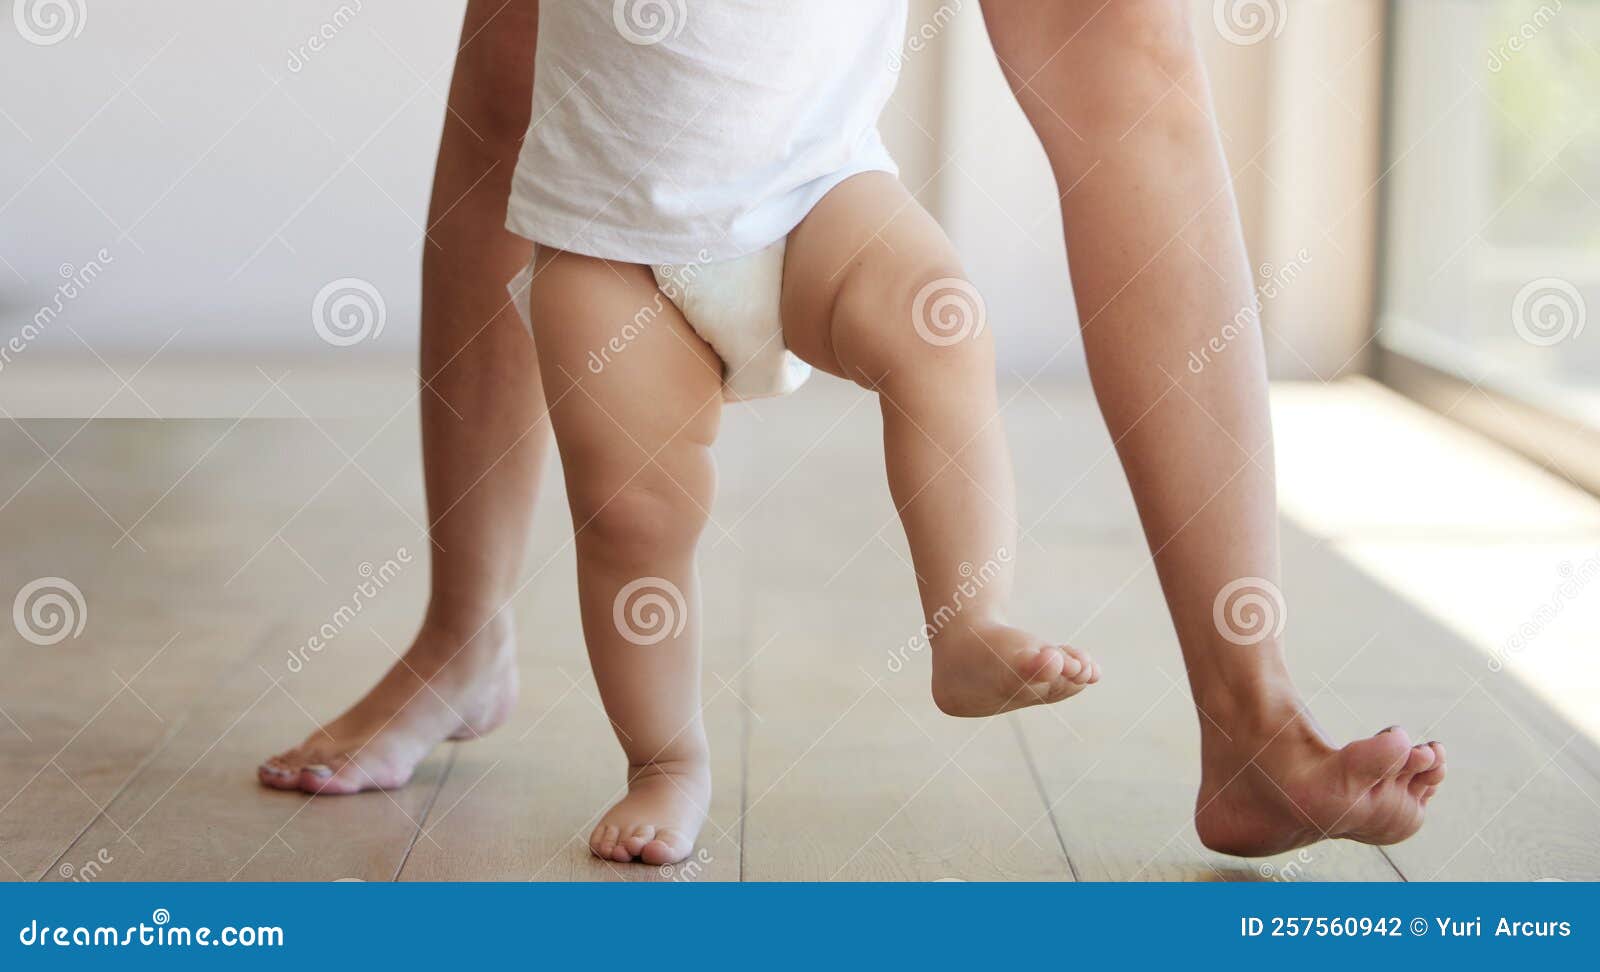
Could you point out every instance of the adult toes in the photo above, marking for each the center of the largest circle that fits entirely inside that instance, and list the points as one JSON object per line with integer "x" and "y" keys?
{"x": 279, "y": 774}
{"x": 1378, "y": 757}
{"x": 1433, "y": 775}
{"x": 1420, "y": 758}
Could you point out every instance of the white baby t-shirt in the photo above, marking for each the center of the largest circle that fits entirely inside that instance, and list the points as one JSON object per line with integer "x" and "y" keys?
{"x": 677, "y": 131}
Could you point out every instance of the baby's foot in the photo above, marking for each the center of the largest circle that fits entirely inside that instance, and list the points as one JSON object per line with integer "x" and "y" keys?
{"x": 984, "y": 669}
{"x": 1262, "y": 796}
{"x": 659, "y": 819}
{"x": 441, "y": 690}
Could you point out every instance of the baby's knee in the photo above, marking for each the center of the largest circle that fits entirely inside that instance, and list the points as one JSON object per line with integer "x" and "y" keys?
{"x": 919, "y": 320}
{"x": 635, "y": 523}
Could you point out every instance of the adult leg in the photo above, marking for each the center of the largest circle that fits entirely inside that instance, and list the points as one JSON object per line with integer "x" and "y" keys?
{"x": 873, "y": 292}
{"x": 484, "y": 437}
{"x": 1119, "y": 98}
{"x": 635, "y": 437}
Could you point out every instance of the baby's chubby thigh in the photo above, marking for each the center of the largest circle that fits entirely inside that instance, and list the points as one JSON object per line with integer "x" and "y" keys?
{"x": 635, "y": 400}
{"x": 874, "y": 292}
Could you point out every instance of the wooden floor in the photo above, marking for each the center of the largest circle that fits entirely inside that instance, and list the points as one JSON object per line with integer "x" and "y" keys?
{"x": 209, "y": 552}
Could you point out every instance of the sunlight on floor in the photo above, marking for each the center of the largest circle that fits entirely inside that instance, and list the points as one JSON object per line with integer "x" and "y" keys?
{"x": 1498, "y": 551}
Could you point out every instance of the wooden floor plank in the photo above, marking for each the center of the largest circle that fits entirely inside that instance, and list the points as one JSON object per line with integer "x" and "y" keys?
{"x": 855, "y": 775}
{"x": 136, "y": 740}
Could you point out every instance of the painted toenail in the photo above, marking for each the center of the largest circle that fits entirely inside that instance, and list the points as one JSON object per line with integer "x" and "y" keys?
{"x": 317, "y": 769}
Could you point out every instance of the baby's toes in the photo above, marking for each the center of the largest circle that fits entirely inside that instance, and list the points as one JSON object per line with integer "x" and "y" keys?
{"x": 603, "y": 841}
{"x": 668, "y": 847}
{"x": 1079, "y": 667}
{"x": 641, "y": 835}
{"x": 1044, "y": 664}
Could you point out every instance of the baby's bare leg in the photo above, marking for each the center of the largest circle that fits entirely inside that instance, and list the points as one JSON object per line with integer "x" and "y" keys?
{"x": 873, "y": 292}
{"x": 634, "y": 421}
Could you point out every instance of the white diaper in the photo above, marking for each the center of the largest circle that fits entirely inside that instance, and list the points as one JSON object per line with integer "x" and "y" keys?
{"x": 734, "y": 306}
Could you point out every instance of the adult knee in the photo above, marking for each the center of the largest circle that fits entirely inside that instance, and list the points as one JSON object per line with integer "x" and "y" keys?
{"x": 1136, "y": 52}
{"x": 491, "y": 94}
{"x": 897, "y": 322}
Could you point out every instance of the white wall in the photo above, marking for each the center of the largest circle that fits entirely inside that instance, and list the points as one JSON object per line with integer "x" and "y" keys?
{"x": 228, "y": 179}
{"x": 226, "y": 186}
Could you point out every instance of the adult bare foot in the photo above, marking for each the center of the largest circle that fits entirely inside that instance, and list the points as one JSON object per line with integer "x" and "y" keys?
{"x": 442, "y": 689}
{"x": 1285, "y": 786}
{"x": 985, "y": 668}
{"x": 659, "y": 819}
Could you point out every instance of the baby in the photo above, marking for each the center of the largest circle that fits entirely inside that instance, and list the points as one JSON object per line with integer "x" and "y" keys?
{"x": 715, "y": 216}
